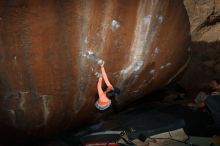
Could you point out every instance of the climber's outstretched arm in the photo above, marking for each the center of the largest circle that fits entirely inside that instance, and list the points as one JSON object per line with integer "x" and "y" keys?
{"x": 109, "y": 85}
{"x": 99, "y": 87}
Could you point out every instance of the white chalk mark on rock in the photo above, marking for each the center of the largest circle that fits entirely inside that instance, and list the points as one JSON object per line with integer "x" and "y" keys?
{"x": 138, "y": 65}
{"x": 156, "y": 50}
{"x": 90, "y": 53}
{"x": 46, "y": 109}
{"x": 147, "y": 19}
{"x": 168, "y": 64}
{"x": 189, "y": 49}
{"x": 23, "y": 100}
{"x": 15, "y": 59}
{"x": 92, "y": 69}
{"x": 91, "y": 56}
{"x": 155, "y": 53}
{"x": 160, "y": 19}
{"x": 152, "y": 71}
{"x": 97, "y": 74}
{"x": 86, "y": 40}
{"x": 162, "y": 67}
{"x": 124, "y": 71}
{"x": 13, "y": 116}
{"x": 115, "y": 25}
{"x": 136, "y": 91}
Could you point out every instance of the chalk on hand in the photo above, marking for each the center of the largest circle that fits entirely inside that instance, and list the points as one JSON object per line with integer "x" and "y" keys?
{"x": 100, "y": 62}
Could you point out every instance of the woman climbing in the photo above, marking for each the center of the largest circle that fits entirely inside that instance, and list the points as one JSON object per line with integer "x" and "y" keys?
{"x": 104, "y": 100}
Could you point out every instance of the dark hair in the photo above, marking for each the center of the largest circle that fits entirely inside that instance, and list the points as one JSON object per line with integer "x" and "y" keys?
{"x": 117, "y": 91}
{"x": 217, "y": 80}
{"x": 112, "y": 93}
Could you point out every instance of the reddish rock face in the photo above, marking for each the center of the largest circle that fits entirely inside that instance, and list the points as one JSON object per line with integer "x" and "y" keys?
{"x": 49, "y": 54}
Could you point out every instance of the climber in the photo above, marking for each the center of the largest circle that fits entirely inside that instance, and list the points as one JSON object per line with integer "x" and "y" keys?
{"x": 104, "y": 100}
{"x": 211, "y": 101}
